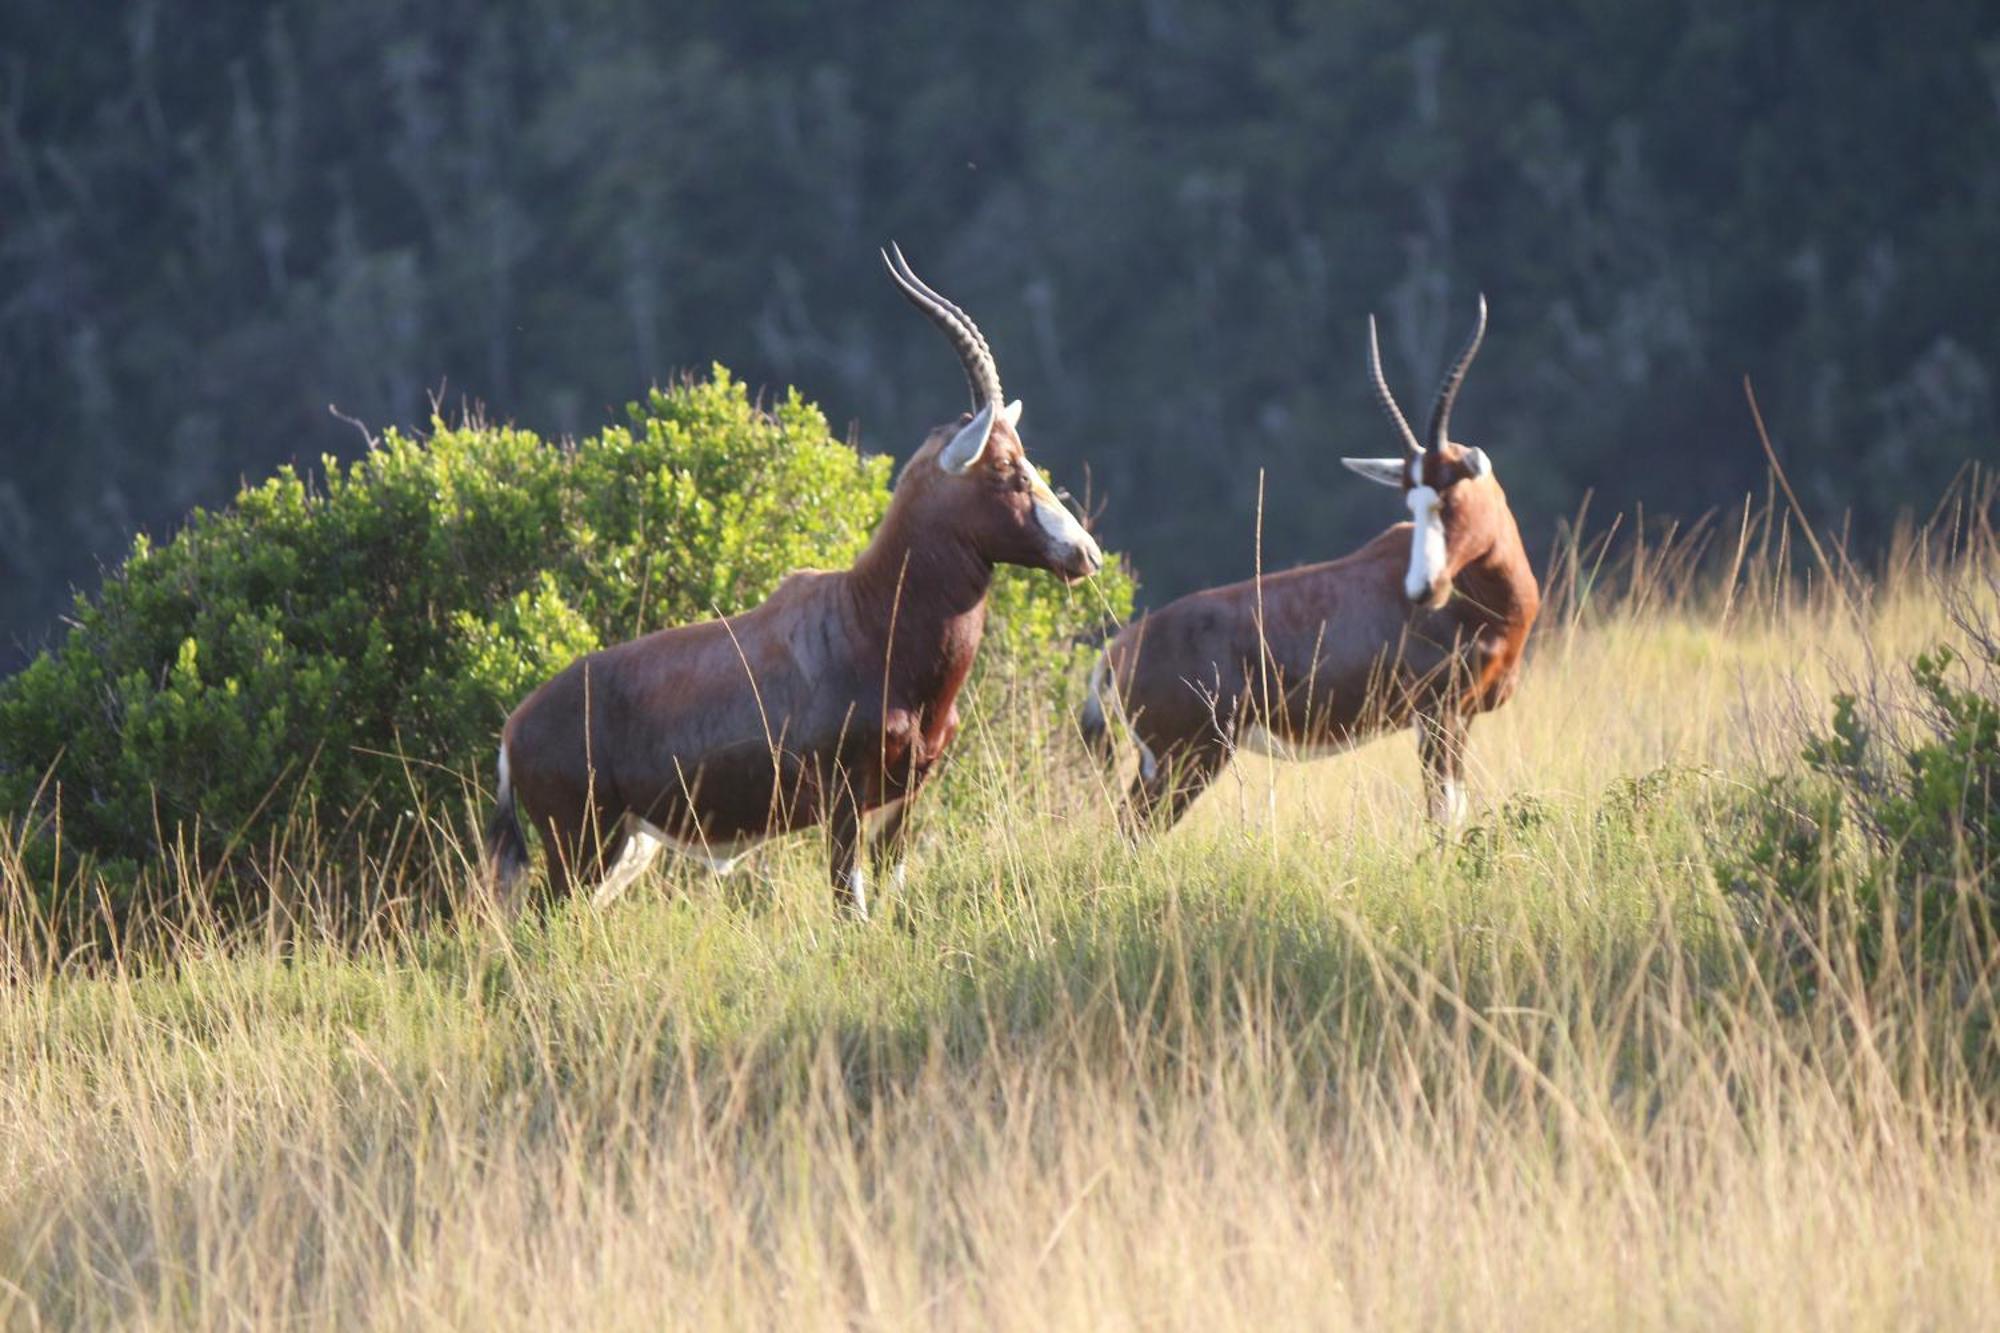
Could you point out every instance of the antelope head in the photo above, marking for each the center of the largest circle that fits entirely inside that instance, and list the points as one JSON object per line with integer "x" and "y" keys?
{"x": 1450, "y": 488}
{"x": 974, "y": 476}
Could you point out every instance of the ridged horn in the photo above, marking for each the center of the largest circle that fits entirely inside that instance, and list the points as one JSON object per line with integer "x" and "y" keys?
{"x": 1388, "y": 400}
{"x": 981, "y": 373}
{"x": 1448, "y": 391}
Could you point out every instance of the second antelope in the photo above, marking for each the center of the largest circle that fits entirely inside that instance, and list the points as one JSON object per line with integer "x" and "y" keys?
{"x": 829, "y": 702}
{"x": 1424, "y": 625}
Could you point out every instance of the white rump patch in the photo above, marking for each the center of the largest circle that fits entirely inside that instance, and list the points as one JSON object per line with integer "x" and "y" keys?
{"x": 1427, "y": 549}
{"x": 1258, "y": 740}
{"x": 506, "y": 780}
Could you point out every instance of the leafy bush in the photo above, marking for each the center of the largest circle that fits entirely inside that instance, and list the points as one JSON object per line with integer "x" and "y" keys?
{"x": 1896, "y": 816}
{"x": 350, "y": 650}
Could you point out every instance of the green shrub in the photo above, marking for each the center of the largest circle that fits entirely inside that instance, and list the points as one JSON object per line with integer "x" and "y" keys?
{"x": 348, "y": 651}
{"x": 1893, "y": 827}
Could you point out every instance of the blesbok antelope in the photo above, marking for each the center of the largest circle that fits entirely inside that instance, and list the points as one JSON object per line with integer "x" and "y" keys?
{"x": 1425, "y": 623}
{"x": 830, "y": 701}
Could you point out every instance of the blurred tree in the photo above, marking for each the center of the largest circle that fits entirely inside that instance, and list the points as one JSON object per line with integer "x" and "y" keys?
{"x": 1172, "y": 218}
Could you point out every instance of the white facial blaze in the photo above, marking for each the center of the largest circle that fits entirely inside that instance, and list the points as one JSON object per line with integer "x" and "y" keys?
{"x": 1065, "y": 534}
{"x": 1427, "y": 551}
{"x": 1149, "y": 763}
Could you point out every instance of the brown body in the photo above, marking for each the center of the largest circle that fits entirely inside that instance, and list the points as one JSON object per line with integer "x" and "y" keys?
{"x": 833, "y": 699}
{"x": 1320, "y": 658}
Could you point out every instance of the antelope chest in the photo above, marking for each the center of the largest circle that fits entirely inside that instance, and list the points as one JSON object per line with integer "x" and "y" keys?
{"x": 913, "y": 742}
{"x": 1497, "y": 657}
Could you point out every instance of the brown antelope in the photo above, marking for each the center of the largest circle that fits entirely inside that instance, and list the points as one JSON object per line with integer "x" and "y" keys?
{"x": 828, "y": 703}
{"x": 1425, "y": 623}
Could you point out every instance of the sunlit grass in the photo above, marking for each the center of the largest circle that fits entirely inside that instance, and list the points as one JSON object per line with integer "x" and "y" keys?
{"x": 1300, "y": 1063}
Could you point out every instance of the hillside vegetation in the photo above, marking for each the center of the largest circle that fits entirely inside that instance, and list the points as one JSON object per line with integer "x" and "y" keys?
{"x": 1301, "y": 1063}
{"x": 1171, "y": 219}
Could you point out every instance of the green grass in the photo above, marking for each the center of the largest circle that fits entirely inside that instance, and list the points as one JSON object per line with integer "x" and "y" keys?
{"x": 1300, "y": 1063}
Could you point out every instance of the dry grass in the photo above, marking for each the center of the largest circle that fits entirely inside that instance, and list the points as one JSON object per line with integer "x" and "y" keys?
{"x": 1295, "y": 1065}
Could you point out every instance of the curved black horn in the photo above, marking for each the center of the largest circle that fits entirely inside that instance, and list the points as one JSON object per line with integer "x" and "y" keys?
{"x": 1448, "y": 391}
{"x": 1388, "y": 400}
{"x": 981, "y": 373}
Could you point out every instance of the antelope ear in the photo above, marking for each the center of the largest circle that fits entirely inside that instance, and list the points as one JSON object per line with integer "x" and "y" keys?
{"x": 1012, "y": 415}
{"x": 970, "y": 442}
{"x": 1381, "y": 471}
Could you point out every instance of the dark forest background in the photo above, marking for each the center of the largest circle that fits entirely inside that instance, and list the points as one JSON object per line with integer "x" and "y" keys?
{"x": 1171, "y": 218}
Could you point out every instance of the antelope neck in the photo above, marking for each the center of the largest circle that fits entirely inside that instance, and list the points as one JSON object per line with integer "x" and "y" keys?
{"x": 1489, "y": 580}
{"x": 929, "y": 596}
{"x": 941, "y": 575}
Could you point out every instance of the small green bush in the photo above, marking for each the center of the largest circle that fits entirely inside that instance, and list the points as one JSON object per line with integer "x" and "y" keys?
{"x": 1893, "y": 827}
{"x": 350, "y": 650}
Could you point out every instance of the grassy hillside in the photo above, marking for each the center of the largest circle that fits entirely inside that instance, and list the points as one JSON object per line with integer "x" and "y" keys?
{"x": 1300, "y": 1063}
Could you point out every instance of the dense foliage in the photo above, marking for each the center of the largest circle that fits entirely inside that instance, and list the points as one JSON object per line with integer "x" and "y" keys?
{"x": 1172, "y": 219}
{"x": 351, "y": 649}
{"x": 1894, "y": 824}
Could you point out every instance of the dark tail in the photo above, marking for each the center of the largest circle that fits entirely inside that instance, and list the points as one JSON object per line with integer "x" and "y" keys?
{"x": 506, "y": 849}
{"x": 1091, "y": 721}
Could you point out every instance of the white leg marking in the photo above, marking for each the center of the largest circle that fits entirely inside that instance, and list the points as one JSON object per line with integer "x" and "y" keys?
{"x": 857, "y": 884}
{"x": 1448, "y": 803}
{"x": 640, "y": 849}
{"x": 899, "y": 878}
{"x": 1149, "y": 764}
{"x": 1427, "y": 548}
